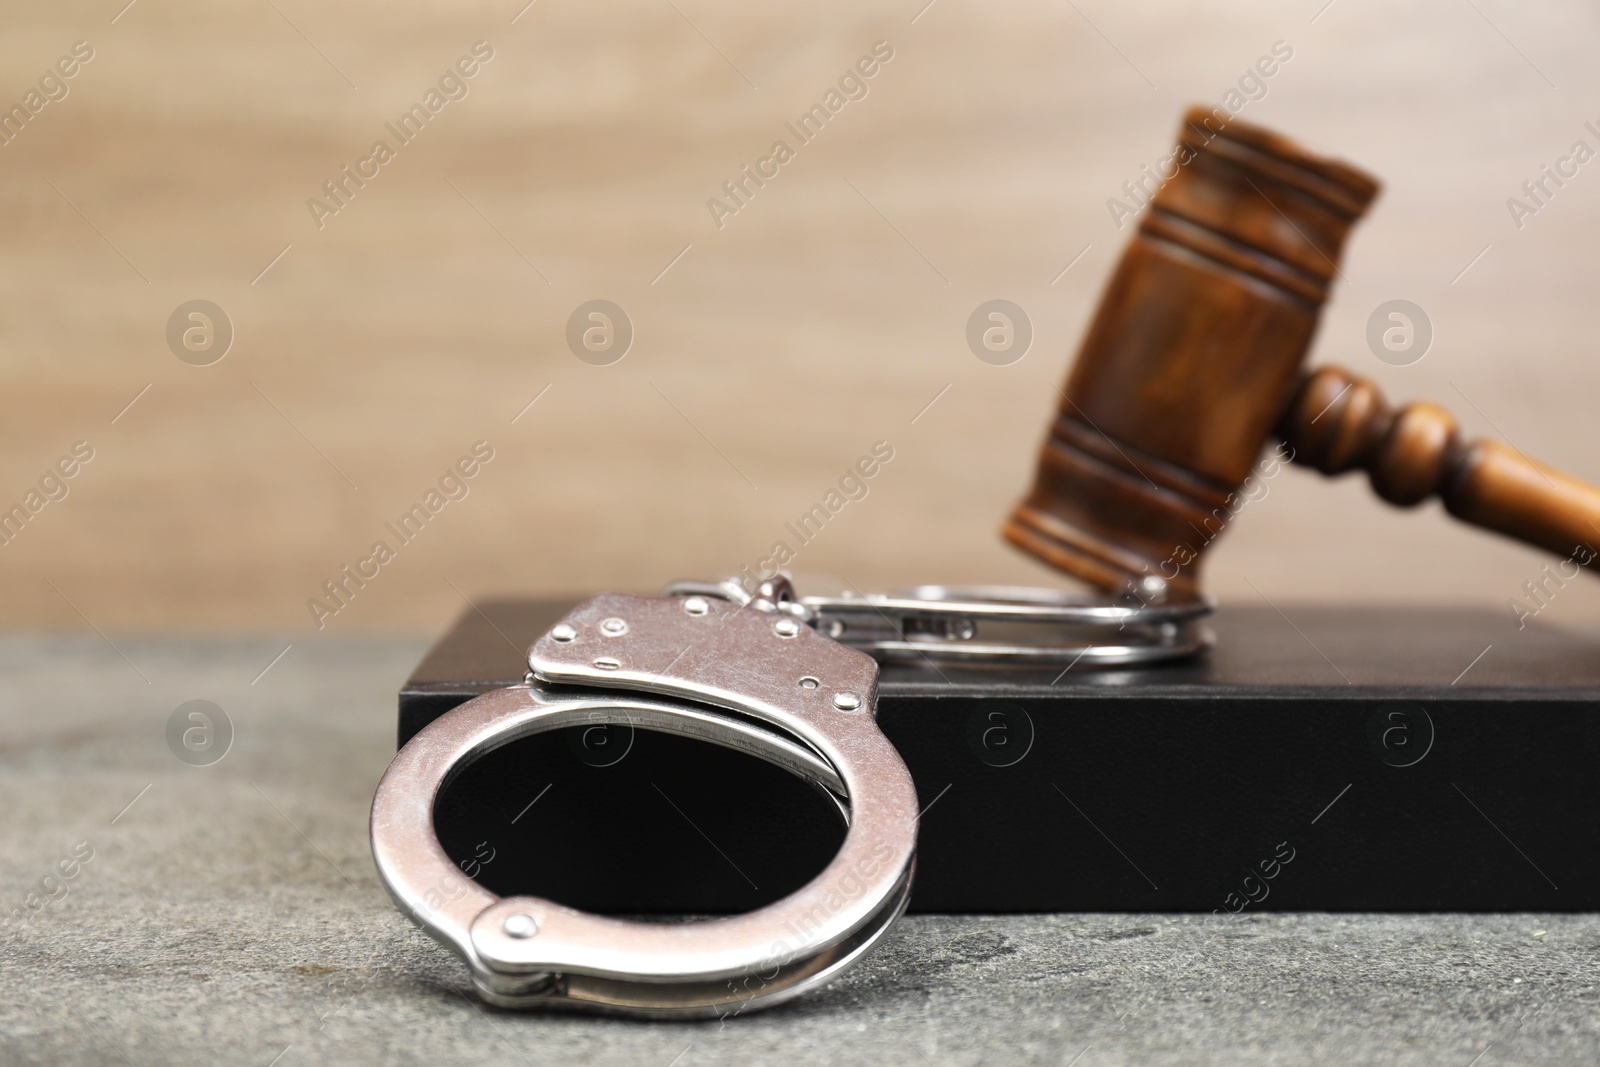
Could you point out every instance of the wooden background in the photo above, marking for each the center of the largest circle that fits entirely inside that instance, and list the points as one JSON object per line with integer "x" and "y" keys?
{"x": 822, "y": 318}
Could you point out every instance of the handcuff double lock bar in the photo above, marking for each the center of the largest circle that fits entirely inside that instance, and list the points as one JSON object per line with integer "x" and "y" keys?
{"x": 791, "y": 680}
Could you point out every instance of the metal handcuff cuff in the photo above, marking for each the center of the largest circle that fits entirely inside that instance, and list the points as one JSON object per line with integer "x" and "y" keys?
{"x": 790, "y": 680}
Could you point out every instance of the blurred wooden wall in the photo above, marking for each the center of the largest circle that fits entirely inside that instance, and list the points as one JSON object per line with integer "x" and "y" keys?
{"x": 371, "y": 353}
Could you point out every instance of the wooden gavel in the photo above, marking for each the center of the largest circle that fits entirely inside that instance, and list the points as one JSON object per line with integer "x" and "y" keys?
{"x": 1193, "y": 362}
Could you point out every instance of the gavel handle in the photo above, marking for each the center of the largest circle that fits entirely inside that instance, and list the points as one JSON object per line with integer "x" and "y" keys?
{"x": 1339, "y": 422}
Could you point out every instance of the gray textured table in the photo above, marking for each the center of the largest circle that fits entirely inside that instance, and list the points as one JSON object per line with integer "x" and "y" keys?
{"x": 231, "y": 914}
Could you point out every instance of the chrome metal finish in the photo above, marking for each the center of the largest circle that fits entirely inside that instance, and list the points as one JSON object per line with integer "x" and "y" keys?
{"x": 781, "y": 677}
{"x": 725, "y": 675}
{"x": 520, "y": 924}
{"x": 994, "y": 623}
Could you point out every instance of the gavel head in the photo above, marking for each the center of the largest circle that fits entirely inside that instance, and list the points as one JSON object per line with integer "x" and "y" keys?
{"x": 1192, "y": 357}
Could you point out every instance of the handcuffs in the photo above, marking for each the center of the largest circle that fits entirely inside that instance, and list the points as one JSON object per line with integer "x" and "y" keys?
{"x": 791, "y": 680}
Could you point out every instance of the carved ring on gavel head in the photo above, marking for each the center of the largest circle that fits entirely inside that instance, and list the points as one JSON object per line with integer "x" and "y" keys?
{"x": 1193, "y": 361}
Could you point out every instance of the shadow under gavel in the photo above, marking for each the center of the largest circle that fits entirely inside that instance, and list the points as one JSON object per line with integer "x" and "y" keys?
{"x": 1193, "y": 362}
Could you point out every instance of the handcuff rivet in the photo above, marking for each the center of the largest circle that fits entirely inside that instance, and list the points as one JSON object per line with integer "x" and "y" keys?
{"x": 520, "y": 925}
{"x": 786, "y": 628}
{"x": 614, "y": 627}
{"x": 696, "y": 605}
{"x": 653, "y": 969}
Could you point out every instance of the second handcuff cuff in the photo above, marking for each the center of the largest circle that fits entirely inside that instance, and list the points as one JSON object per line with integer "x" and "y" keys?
{"x": 791, "y": 680}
